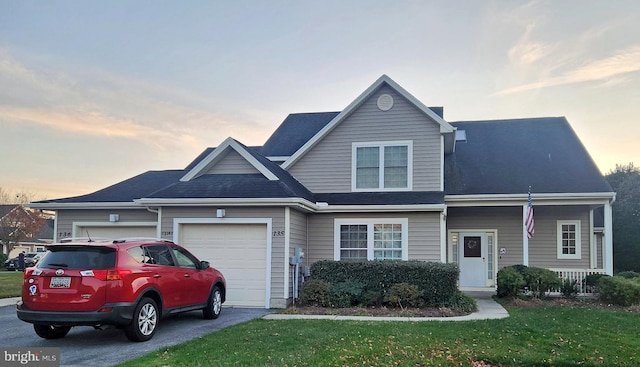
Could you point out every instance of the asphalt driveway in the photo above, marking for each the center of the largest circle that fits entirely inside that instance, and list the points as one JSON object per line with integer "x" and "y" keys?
{"x": 85, "y": 346}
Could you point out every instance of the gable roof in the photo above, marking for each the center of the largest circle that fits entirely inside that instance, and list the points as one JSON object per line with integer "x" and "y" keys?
{"x": 508, "y": 156}
{"x": 217, "y": 154}
{"x": 445, "y": 128}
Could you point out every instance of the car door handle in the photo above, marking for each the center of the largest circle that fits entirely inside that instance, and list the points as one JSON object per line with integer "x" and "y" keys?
{"x": 157, "y": 276}
{"x": 187, "y": 276}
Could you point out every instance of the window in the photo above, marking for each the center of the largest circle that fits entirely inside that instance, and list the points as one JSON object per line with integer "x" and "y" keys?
{"x": 371, "y": 239}
{"x": 382, "y": 166}
{"x": 569, "y": 240}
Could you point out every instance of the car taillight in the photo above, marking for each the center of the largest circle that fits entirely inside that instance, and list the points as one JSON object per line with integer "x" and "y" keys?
{"x": 111, "y": 274}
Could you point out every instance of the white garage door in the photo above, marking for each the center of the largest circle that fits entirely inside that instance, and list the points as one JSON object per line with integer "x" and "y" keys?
{"x": 239, "y": 251}
{"x": 112, "y": 232}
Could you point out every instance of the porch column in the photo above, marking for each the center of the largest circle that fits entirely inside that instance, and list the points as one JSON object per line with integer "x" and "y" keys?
{"x": 608, "y": 240}
{"x": 443, "y": 236}
{"x": 525, "y": 237}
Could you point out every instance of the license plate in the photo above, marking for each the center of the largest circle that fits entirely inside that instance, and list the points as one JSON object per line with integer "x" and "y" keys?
{"x": 60, "y": 282}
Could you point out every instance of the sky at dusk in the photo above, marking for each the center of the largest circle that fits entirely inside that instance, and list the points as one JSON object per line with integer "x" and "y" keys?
{"x": 95, "y": 92}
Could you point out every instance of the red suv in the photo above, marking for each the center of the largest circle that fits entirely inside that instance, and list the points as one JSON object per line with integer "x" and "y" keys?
{"x": 128, "y": 283}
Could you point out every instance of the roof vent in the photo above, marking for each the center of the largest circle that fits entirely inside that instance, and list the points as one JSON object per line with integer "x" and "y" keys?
{"x": 461, "y": 136}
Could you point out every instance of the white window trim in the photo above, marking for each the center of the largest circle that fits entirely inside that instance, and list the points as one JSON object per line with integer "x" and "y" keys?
{"x": 381, "y": 144}
{"x": 578, "y": 254}
{"x": 369, "y": 222}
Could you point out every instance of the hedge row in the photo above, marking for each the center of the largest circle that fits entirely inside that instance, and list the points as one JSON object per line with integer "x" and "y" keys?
{"x": 436, "y": 283}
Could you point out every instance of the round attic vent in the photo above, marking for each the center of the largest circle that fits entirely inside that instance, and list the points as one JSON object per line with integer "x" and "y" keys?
{"x": 385, "y": 102}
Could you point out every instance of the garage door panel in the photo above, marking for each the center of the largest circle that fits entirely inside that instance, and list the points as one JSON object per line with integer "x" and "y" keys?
{"x": 239, "y": 251}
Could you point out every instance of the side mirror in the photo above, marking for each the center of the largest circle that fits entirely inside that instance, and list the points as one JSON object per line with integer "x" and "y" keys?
{"x": 204, "y": 265}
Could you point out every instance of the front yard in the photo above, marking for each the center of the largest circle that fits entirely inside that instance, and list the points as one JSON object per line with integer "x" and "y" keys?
{"x": 544, "y": 334}
{"x": 10, "y": 283}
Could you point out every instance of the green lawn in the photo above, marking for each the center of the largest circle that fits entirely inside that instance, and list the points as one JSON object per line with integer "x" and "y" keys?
{"x": 532, "y": 336}
{"x": 10, "y": 283}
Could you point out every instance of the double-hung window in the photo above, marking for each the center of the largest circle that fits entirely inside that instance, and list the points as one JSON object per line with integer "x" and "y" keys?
{"x": 382, "y": 166}
{"x": 371, "y": 239}
{"x": 569, "y": 239}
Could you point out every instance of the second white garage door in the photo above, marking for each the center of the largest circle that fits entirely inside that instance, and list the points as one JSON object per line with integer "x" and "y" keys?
{"x": 239, "y": 251}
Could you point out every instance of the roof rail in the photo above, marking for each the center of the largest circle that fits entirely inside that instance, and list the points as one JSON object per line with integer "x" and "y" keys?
{"x": 125, "y": 239}
{"x": 82, "y": 239}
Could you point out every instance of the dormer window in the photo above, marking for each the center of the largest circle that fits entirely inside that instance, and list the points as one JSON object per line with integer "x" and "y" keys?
{"x": 382, "y": 166}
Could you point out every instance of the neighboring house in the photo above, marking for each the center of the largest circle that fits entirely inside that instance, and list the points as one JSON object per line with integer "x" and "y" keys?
{"x": 386, "y": 178}
{"x": 38, "y": 242}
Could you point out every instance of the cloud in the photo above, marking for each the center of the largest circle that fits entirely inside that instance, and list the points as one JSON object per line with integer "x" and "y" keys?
{"x": 623, "y": 62}
{"x": 97, "y": 103}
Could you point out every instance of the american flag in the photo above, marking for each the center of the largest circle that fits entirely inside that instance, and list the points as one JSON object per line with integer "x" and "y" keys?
{"x": 529, "y": 221}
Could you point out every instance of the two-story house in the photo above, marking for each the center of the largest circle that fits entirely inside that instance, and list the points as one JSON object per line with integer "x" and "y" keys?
{"x": 385, "y": 178}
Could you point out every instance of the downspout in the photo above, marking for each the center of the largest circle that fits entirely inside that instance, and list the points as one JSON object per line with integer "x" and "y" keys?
{"x": 158, "y": 220}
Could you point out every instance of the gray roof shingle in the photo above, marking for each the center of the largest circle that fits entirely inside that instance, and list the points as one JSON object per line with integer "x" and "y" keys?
{"x": 508, "y": 156}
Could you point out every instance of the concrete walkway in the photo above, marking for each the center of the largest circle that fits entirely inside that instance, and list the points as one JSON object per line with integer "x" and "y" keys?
{"x": 488, "y": 309}
{"x": 9, "y": 301}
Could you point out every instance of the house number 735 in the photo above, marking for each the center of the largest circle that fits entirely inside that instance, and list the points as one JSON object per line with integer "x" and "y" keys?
{"x": 278, "y": 233}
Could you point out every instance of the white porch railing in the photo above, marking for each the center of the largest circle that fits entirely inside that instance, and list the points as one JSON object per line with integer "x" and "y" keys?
{"x": 579, "y": 275}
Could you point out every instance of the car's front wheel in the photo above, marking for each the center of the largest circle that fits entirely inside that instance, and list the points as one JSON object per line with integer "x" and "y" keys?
{"x": 145, "y": 321}
{"x": 214, "y": 305}
{"x": 51, "y": 331}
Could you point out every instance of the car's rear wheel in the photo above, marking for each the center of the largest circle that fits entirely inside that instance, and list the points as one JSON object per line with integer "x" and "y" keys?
{"x": 214, "y": 305}
{"x": 51, "y": 331}
{"x": 145, "y": 321}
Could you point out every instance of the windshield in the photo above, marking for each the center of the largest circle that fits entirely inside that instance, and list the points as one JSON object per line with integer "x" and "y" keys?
{"x": 79, "y": 257}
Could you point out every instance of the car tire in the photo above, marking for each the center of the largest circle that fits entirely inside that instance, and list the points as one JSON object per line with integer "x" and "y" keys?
{"x": 214, "y": 304}
{"x": 51, "y": 331}
{"x": 145, "y": 321}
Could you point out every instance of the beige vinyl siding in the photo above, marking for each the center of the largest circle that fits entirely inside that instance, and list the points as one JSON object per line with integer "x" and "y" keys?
{"x": 298, "y": 227}
{"x": 543, "y": 247}
{"x": 277, "y": 242}
{"x": 297, "y": 238}
{"x": 507, "y": 221}
{"x": 66, "y": 218}
{"x": 327, "y": 166}
{"x": 423, "y": 232}
{"x": 232, "y": 163}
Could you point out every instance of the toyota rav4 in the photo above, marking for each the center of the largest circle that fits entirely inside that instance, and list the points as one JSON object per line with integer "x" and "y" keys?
{"x": 131, "y": 284}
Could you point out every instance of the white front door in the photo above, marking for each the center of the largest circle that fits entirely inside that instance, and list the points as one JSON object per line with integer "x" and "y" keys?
{"x": 473, "y": 264}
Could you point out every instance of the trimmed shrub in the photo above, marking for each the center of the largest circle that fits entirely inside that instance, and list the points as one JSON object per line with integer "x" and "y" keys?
{"x": 591, "y": 282}
{"x": 464, "y": 303}
{"x": 3, "y": 258}
{"x": 438, "y": 282}
{"x": 628, "y": 274}
{"x": 569, "y": 288}
{"x": 510, "y": 282}
{"x": 315, "y": 293}
{"x": 540, "y": 281}
{"x": 346, "y": 294}
{"x": 404, "y": 295}
{"x": 619, "y": 290}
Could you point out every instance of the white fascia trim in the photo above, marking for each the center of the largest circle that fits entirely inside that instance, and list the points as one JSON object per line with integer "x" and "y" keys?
{"x": 445, "y": 127}
{"x": 596, "y": 198}
{"x": 380, "y": 208}
{"x": 91, "y": 205}
{"x": 210, "y": 160}
{"x": 278, "y": 158}
{"x": 303, "y": 203}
